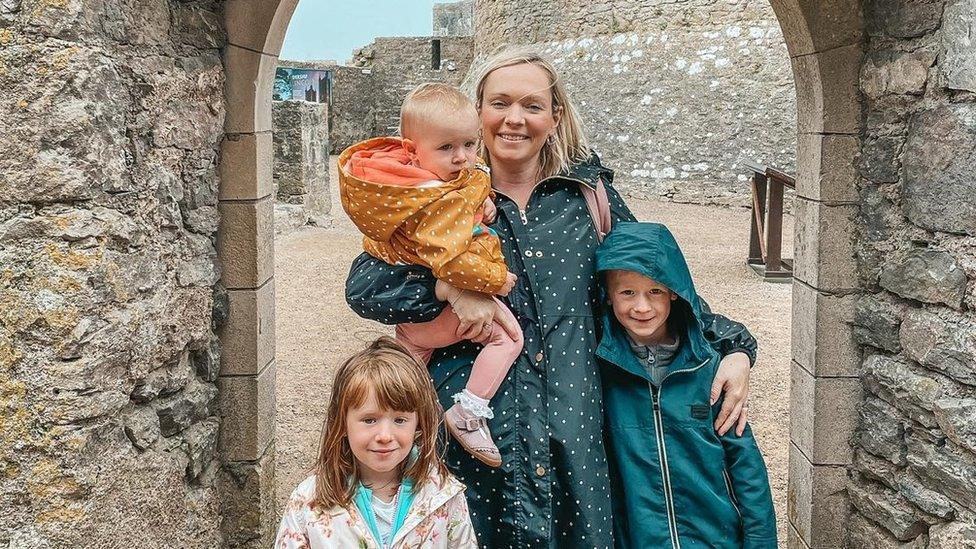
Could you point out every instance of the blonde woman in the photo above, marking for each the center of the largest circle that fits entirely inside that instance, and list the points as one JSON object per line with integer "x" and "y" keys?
{"x": 553, "y": 489}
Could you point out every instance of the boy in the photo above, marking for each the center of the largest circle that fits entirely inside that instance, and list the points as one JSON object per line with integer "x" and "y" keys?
{"x": 422, "y": 200}
{"x": 676, "y": 482}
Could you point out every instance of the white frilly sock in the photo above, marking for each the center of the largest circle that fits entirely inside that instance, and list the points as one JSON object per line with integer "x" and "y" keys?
{"x": 474, "y": 404}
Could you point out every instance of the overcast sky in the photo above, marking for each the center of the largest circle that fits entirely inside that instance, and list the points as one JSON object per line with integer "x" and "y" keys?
{"x": 331, "y": 29}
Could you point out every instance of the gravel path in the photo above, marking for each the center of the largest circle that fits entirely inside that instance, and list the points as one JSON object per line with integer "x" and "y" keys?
{"x": 316, "y": 329}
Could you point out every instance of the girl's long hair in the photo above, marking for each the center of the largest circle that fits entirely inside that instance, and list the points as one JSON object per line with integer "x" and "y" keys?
{"x": 400, "y": 383}
{"x": 569, "y": 144}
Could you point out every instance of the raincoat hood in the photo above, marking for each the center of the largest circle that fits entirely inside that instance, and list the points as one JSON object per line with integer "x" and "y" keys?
{"x": 363, "y": 178}
{"x": 650, "y": 249}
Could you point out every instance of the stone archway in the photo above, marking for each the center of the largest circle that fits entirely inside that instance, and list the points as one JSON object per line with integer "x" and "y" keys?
{"x": 825, "y": 47}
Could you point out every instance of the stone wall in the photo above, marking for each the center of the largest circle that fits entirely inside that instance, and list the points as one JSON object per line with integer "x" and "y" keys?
{"x": 400, "y": 64}
{"x": 675, "y": 96}
{"x": 352, "y": 116}
{"x": 914, "y": 481}
{"x": 454, "y": 19}
{"x": 110, "y": 125}
{"x": 301, "y": 164}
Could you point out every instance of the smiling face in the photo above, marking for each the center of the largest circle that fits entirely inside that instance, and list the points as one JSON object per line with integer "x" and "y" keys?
{"x": 641, "y": 305}
{"x": 380, "y": 439}
{"x": 446, "y": 145}
{"x": 517, "y": 114}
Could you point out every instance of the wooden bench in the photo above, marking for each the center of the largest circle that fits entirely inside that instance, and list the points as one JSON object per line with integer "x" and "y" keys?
{"x": 766, "y": 234}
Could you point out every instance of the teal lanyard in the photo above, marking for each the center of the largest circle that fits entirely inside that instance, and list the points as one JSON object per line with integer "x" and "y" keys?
{"x": 364, "y": 502}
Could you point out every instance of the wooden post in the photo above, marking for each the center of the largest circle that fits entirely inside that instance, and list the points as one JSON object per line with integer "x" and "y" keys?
{"x": 774, "y": 227}
{"x": 756, "y": 230}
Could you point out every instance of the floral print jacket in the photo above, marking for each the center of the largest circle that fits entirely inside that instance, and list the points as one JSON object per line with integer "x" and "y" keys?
{"x": 438, "y": 518}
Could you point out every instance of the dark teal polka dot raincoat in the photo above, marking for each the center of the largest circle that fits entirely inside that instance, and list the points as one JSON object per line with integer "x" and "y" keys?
{"x": 552, "y": 489}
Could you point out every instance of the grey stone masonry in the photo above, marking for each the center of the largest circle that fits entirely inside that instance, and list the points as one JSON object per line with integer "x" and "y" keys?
{"x": 110, "y": 122}
{"x": 915, "y": 249}
{"x": 399, "y": 64}
{"x": 301, "y": 163}
{"x": 675, "y": 96}
{"x": 352, "y": 113}
{"x": 454, "y": 18}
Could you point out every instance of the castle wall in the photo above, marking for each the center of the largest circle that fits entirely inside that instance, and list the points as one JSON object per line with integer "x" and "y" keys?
{"x": 915, "y": 461}
{"x": 675, "y": 96}
{"x": 110, "y": 125}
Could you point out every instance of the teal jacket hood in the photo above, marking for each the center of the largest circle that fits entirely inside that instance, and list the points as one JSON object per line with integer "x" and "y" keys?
{"x": 651, "y": 250}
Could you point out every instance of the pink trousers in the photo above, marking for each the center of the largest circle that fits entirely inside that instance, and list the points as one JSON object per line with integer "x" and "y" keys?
{"x": 490, "y": 366}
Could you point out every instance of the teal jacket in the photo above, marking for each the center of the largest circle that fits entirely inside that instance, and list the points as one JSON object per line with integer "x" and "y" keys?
{"x": 675, "y": 481}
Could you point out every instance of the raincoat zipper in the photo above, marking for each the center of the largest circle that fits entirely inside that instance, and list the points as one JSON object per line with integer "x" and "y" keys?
{"x": 525, "y": 219}
{"x": 662, "y": 453}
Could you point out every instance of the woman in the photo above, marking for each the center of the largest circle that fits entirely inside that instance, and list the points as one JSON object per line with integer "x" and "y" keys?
{"x": 553, "y": 489}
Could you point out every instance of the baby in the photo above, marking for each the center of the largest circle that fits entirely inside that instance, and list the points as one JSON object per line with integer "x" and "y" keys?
{"x": 424, "y": 200}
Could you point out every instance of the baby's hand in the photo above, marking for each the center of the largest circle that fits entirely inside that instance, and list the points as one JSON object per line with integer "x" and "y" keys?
{"x": 490, "y": 211}
{"x": 510, "y": 280}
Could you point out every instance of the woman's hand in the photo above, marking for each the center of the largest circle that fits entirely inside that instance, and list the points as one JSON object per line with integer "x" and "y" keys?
{"x": 732, "y": 378}
{"x": 476, "y": 312}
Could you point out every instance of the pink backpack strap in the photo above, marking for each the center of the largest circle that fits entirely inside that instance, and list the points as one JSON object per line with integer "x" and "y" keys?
{"x": 598, "y": 204}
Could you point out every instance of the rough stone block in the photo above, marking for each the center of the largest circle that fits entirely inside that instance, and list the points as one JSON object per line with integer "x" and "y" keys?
{"x": 810, "y": 26}
{"x": 882, "y": 431}
{"x": 201, "y": 447}
{"x": 182, "y": 410}
{"x": 248, "y": 338}
{"x": 827, "y": 96}
{"x": 912, "y": 392}
{"x": 247, "y": 410}
{"x": 823, "y": 341}
{"x": 247, "y": 90}
{"x": 141, "y": 426}
{"x": 793, "y": 539}
{"x": 879, "y": 160}
{"x": 958, "y": 32}
{"x": 823, "y": 246}
{"x": 902, "y": 18}
{"x": 889, "y": 510}
{"x": 865, "y": 533}
{"x": 938, "y": 191}
{"x": 245, "y": 243}
{"x": 957, "y": 419}
{"x": 258, "y": 25}
{"x": 876, "y": 322}
{"x": 247, "y": 501}
{"x": 817, "y": 503}
{"x": 941, "y": 340}
{"x": 245, "y": 166}
{"x": 823, "y": 416}
{"x": 826, "y": 167}
{"x": 942, "y": 467}
{"x": 896, "y": 73}
{"x": 927, "y": 500}
{"x": 930, "y": 276}
{"x": 953, "y": 535}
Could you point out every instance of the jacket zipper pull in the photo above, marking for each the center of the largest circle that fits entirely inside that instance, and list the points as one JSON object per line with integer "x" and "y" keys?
{"x": 657, "y": 399}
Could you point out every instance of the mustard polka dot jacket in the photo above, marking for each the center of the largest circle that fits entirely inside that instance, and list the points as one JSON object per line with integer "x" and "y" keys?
{"x": 433, "y": 226}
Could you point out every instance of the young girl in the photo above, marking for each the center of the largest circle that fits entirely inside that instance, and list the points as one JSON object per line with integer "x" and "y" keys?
{"x": 379, "y": 482}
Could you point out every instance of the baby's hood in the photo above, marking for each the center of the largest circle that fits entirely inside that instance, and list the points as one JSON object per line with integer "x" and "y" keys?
{"x": 378, "y": 186}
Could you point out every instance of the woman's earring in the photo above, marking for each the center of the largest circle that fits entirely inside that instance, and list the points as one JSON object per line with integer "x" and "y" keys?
{"x": 551, "y": 140}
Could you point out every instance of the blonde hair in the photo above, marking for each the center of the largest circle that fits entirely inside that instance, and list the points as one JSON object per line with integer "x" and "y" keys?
{"x": 399, "y": 383}
{"x": 569, "y": 144}
{"x": 432, "y": 100}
